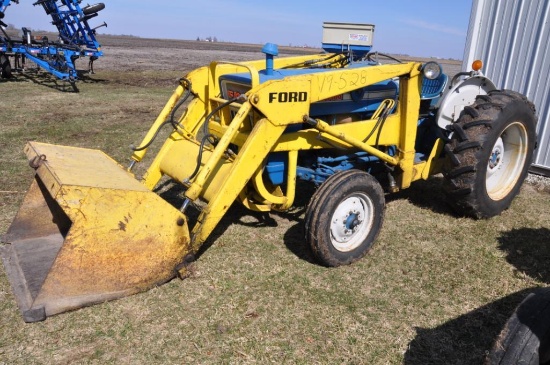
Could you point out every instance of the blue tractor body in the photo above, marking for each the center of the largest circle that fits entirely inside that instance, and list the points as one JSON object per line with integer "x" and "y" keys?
{"x": 359, "y": 104}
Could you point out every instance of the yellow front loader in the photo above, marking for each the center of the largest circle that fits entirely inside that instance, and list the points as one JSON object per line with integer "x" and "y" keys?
{"x": 88, "y": 231}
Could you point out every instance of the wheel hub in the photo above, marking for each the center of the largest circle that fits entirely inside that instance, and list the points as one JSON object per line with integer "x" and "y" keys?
{"x": 351, "y": 222}
{"x": 495, "y": 160}
{"x": 506, "y": 161}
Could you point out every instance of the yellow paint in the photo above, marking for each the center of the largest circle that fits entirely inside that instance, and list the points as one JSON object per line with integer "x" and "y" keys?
{"x": 122, "y": 239}
{"x": 256, "y": 126}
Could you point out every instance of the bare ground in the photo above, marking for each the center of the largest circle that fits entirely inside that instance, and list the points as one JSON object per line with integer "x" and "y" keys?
{"x": 142, "y": 54}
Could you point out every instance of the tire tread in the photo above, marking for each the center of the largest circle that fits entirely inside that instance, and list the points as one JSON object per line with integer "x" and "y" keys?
{"x": 474, "y": 133}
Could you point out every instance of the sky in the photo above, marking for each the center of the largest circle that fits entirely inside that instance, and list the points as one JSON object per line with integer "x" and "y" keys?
{"x": 432, "y": 28}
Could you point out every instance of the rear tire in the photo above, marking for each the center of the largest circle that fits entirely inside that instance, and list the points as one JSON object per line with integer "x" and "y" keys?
{"x": 489, "y": 153}
{"x": 344, "y": 217}
{"x": 5, "y": 67}
{"x": 525, "y": 338}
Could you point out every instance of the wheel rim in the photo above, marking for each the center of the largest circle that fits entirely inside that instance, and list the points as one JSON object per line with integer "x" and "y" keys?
{"x": 506, "y": 161}
{"x": 351, "y": 222}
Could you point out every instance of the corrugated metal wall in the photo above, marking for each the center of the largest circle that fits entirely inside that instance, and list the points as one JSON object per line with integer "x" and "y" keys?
{"x": 512, "y": 37}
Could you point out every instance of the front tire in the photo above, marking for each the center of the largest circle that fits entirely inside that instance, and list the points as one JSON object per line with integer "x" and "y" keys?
{"x": 489, "y": 153}
{"x": 344, "y": 217}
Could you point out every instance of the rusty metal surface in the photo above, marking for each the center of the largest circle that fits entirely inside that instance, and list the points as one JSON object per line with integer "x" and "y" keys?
{"x": 80, "y": 240}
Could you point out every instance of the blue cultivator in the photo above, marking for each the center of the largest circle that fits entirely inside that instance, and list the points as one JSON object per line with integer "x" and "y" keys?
{"x": 76, "y": 39}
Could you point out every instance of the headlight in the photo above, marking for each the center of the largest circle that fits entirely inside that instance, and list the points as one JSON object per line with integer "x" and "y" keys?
{"x": 431, "y": 70}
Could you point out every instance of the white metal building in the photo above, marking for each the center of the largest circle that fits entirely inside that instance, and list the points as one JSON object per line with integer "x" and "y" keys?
{"x": 512, "y": 38}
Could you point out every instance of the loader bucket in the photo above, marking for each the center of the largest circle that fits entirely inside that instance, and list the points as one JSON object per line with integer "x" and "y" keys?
{"x": 88, "y": 232}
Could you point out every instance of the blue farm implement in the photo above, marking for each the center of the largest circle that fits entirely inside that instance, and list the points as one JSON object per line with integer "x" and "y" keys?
{"x": 76, "y": 39}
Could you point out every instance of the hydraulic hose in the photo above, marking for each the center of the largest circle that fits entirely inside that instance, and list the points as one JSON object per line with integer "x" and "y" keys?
{"x": 171, "y": 121}
{"x": 312, "y": 63}
{"x": 370, "y": 55}
{"x": 207, "y": 137}
{"x": 378, "y": 125}
{"x": 217, "y": 109}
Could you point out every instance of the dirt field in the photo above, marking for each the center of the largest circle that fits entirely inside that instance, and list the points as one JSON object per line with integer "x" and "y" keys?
{"x": 141, "y": 54}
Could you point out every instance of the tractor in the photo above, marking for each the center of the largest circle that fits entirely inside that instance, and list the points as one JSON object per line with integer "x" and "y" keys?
{"x": 349, "y": 123}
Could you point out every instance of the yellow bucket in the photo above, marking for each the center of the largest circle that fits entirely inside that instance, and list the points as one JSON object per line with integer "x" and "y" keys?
{"x": 88, "y": 232}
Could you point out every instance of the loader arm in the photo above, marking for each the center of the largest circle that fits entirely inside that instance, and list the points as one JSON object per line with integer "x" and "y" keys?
{"x": 258, "y": 126}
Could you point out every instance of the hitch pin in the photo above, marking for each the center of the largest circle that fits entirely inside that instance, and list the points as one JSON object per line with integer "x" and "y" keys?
{"x": 131, "y": 165}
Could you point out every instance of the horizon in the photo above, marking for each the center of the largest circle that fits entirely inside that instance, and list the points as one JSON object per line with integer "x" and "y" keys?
{"x": 401, "y": 27}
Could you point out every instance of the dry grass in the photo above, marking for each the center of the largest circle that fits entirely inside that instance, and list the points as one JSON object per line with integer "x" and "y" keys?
{"x": 436, "y": 289}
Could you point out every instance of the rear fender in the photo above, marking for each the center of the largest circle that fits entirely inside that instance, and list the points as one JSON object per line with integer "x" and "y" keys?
{"x": 459, "y": 95}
